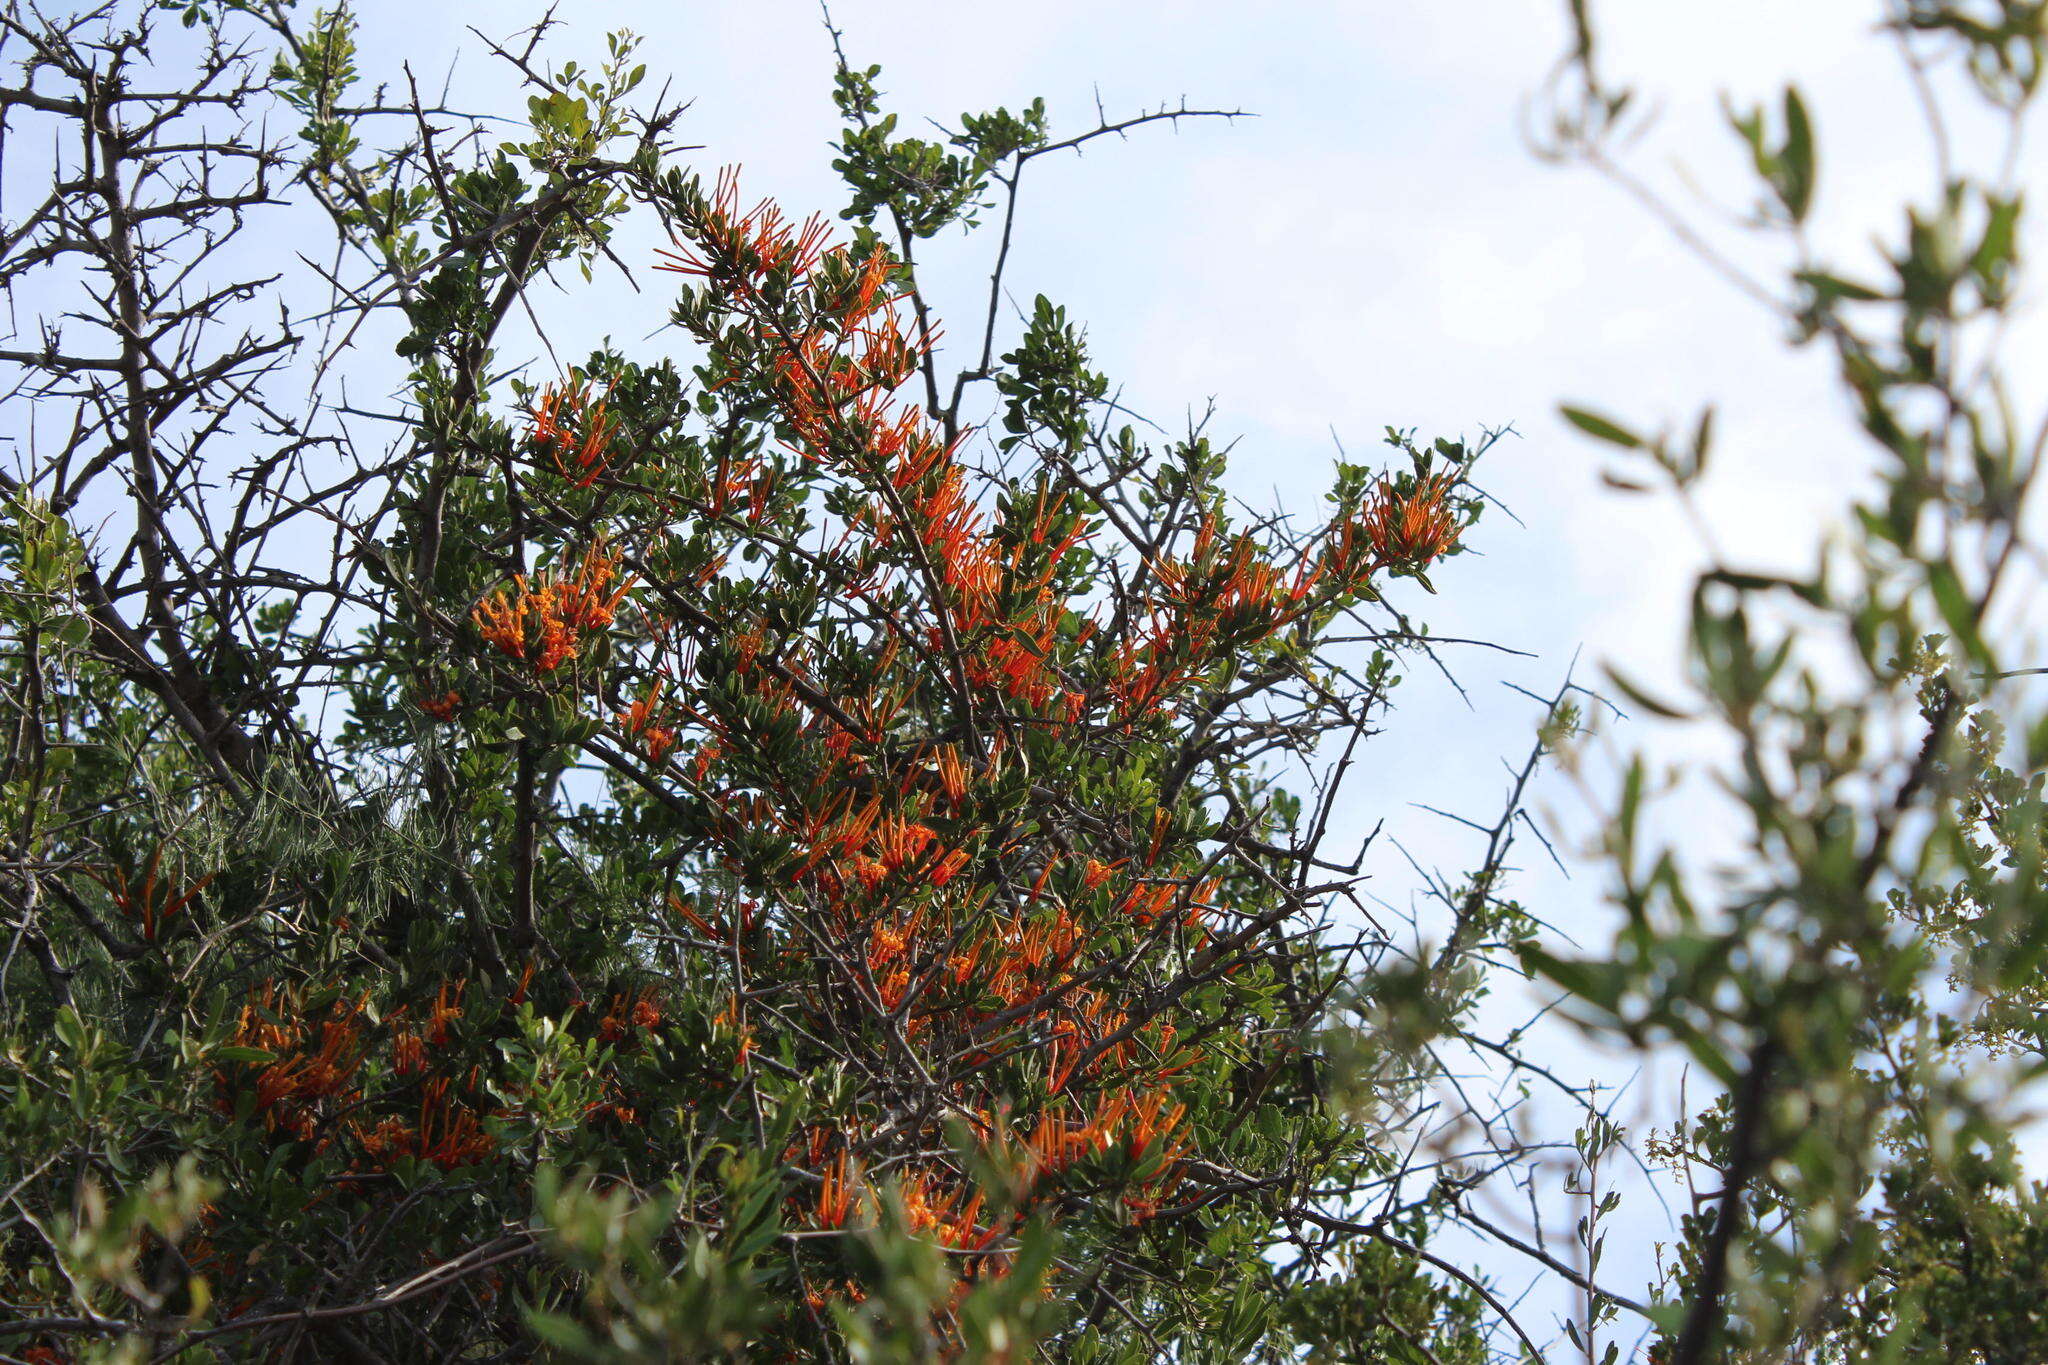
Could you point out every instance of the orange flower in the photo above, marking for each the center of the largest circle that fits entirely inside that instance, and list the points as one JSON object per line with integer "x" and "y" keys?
{"x": 740, "y": 250}
{"x": 1066, "y": 1055}
{"x": 935, "y": 1212}
{"x": 1411, "y": 528}
{"x": 658, "y": 740}
{"x": 887, "y": 943}
{"x": 150, "y": 903}
{"x": 584, "y": 601}
{"x": 574, "y": 431}
{"x": 290, "y": 1089}
{"x": 701, "y": 761}
{"x": 893, "y": 987}
{"x": 443, "y": 707}
{"x": 408, "y": 1053}
{"x": 447, "y": 1009}
{"x": 835, "y": 1195}
{"x": 447, "y": 1134}
{"x": 947, "y": 867}
{"x": 637, "y": 1011}
{"x": 559, "y": 609}
{"x": 732, "y": 1018}
{"x": 952, "y": 774}
{"x": 638, "y": 721}
{"x": 1145, "y": 904}
{"x": 867, "y": 291}
{"x": 502, "y": 622}
{"x": 1151, "y": 1121}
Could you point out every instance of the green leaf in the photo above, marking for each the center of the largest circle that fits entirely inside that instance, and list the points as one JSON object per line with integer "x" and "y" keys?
{"x": 1957, "y": 609}
{"x": 1831, "y": 287}
{"x": 1601, "y": 428}
{"x": 1641, "y": 698}
{"x": 1796, "y": 161}
{"x": 1597, "y": 983}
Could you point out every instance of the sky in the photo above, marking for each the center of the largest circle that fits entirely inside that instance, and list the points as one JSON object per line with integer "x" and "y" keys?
{"x": 1378, "y": 246}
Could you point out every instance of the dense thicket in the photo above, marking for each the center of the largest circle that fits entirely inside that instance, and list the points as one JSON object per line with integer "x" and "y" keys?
{"x": 736, "y": 845}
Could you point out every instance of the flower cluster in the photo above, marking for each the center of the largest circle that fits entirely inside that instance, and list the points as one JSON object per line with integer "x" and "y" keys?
{"x": 543, "y": 620}
{"x": 1397, "y": 528}
{"x": 443, "y": 707}
{"x": 641, "y": 721}
{"x": 445, "y": 1132}
{"x": 740, "y": 250}
{"x": 311, "y": 1070}
{"x": 150, "y": 902}
{"x": 574, "y": 430}
{"x": 318, "y": 1083}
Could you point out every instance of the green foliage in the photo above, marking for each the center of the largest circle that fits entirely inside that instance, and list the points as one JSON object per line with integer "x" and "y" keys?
{"x": 1046, "y": 385}
{"x": 672, "y": 860}
{"x": 1851, "y": 979}
{"x": 922, "y": 186}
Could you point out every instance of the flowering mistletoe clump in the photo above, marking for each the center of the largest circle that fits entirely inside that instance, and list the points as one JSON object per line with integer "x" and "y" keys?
{"x": 943, "y": 826}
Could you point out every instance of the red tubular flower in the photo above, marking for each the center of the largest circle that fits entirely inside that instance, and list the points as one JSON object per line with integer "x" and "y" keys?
{"x": 150, "y": 903}
{"x": 738, "y": 250}
{"x": 639, "y": 721}
{"x": 447, "y": 1009}
{"x": 290, "y": 1089}
{"x": 952, "y": 774}
{"x": 559, "y": 611}
{"x": 628, "y": 1013}
{"x": 1150, "y": 1121}
{"x": 443, "y": 707}
{"x": 501, "y": 621}
{"x": 518, "y": 995}
{"x": 447, "y": 1134}
{"x": 1147, "y": 903}
{"x": 408, "y": 1054}
{"x": 835, "y": 1195}
{"x": 1412, "y": 528}
{"x": 574, "y": 431}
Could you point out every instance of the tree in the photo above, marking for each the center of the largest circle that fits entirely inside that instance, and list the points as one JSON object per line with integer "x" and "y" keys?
{"x": 656, "y": 859}
{"x": 1854, "y": 979}
{"x": 796, "y": 840}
